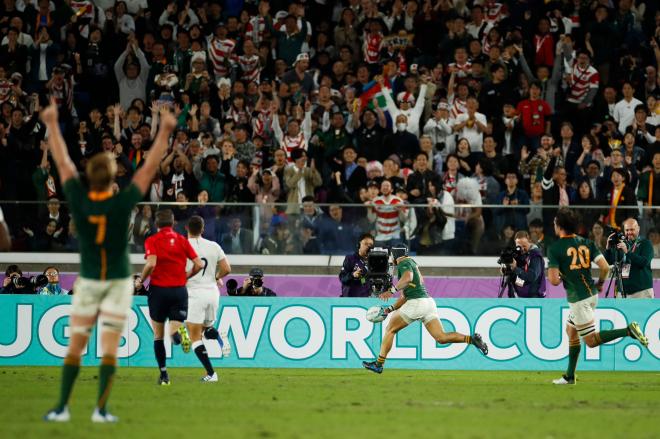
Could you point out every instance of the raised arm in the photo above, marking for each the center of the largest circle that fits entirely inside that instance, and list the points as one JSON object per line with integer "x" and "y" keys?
{"x": 146, "y": 173}
{"x": 65, "y": 166}
{"x": 307, "y": 122}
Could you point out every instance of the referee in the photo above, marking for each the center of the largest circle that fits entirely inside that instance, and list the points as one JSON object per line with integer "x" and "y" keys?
{"x": 167, "y": 253}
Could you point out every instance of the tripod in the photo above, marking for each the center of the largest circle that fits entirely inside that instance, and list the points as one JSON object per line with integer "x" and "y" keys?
{"x": 615, "y": 275}
{"x": 505, "y": 283}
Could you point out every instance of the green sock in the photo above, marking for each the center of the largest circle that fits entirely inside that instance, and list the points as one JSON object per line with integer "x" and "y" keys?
{"x": 613, "y": 334}
{"x": 106, "y": 375}
{"x": 69, "y": 374}
{"x": 573, "y": 355}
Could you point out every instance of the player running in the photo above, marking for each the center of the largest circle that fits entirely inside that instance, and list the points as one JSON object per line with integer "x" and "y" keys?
{"x": 167, "y": 254}
{"x": 104, "y": 289}
{"x": 570, "y": 260}
{"x": 414, "y": 304}
{"x": 203, "y": 295}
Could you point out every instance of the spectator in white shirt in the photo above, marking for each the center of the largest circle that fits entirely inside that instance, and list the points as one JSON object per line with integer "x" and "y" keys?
{"x": 472, "y": 125}
{"x": 624, "y": 110}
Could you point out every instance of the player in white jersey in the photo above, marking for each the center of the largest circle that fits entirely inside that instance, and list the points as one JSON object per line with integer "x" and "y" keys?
{"x": 204, "y": 297}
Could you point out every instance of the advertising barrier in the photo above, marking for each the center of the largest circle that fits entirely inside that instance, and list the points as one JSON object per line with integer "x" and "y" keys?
{"x": 334, "y": 333}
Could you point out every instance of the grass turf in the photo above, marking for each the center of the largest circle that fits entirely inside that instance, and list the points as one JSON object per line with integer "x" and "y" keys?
{"x": 339, "y": 404}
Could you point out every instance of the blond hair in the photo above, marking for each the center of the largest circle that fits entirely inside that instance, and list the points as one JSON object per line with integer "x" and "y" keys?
{"x": 101, "y": 170}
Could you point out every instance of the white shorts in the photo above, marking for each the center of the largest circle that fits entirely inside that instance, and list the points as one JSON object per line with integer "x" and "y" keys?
{"x": 419, "y": 309}
{"x": 643, "y": 294}
{"x": 112, "y": 296}
{"x": 203, "y": 305}
{"x": 581, "y": 316}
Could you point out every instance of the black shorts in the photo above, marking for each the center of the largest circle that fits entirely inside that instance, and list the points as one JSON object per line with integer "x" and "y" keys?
{"x": 168, "y": 303}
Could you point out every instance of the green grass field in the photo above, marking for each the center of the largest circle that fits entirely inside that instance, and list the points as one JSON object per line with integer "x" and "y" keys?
{"x": 339, "y": 404}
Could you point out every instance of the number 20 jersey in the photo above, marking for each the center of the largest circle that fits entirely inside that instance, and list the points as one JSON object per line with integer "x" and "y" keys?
{"x": 101, "y": 220}
{"x": 573, "y": 255}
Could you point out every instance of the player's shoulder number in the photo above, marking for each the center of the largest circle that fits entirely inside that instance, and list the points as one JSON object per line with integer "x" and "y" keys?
{"x": 581, "y": 257}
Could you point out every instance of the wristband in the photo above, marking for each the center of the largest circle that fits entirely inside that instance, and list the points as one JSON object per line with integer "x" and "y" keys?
{"x": 2, "y": 216}
{"x": 390, "y": 308}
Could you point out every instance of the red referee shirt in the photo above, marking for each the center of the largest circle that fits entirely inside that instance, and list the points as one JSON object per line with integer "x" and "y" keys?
{"x": 172, "y": 251}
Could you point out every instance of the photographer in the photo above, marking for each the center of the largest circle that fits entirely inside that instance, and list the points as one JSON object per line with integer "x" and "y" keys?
{"x": 254, "y": 285}
{"x": 528, "y": 278}
{"x": 15, "y": 283}
{"x": 53, "y": 287}
{"x": 635, "y": 254}
{"x": 353, "y": 273}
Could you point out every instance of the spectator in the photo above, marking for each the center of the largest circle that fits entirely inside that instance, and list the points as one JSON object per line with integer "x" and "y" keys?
{"x": 472, "y": 125}
{"x": 300, "y": 180}
{"x": 622, "y": 200}
{"x": 311, "y": 245}
{"x": 556, "y": 191}
{"x": 336, "y": 234}
{"x": 512, "y": 196}
{"x": 237, "y": 240}
{"x": 53, "y": 288}
{"x": 138, "y": 286}
{"x": 385, "y": 211}
{"x": 132, "y": 79}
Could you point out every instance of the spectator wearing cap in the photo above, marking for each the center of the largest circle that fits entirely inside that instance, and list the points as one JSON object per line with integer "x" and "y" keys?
{"x": 300, "y": 180}
{"x": 132, "y": 79}
{"x": 253, "y": 285}
{"x": 409, "y": 106}
{"x": 237, "y": 240}
{"x": 621, "y": 199}
{"x": 300, "y": 74}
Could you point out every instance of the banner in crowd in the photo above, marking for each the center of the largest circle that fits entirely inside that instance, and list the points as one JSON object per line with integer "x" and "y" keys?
{"x": 334, "y": 333}
{"x": 329, "y": 286}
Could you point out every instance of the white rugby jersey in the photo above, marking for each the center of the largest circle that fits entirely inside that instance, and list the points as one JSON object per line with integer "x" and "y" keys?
{"x": 210, "y": 253}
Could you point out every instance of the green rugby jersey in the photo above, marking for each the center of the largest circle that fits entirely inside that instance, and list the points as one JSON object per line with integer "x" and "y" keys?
{"x": 101, "y": 220}
{"x": 416, "y": 288}
{"x": 573, "y": 255}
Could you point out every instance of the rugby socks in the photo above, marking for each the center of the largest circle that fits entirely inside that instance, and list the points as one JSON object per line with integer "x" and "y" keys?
{"x": 381, "y": 360}
{"x": 468, "y": 339}
{"x": 176, "y": 338}
{"x": 106, "y": 377}
{"x": 573, "y": 356}
{"x": 200, "y": 351}
{"x": 159, "y": 350}
{"x": 605, "y": 336}
{"x": 69, "y": 374}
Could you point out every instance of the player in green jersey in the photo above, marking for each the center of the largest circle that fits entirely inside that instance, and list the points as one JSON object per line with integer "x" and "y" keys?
{"x": 414, "y": 304}
{"x": 104, "y": 289}
{"x": 570, "y": 259}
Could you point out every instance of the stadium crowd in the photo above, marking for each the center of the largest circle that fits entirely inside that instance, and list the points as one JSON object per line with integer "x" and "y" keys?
{"x": 289, "y": 105}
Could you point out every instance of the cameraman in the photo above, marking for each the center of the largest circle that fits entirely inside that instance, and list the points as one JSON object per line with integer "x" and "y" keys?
{"x": 528, "y": 279}
{"x": 354, "y": 270}
{"x": 637, "y": 254}
{"x": 254, "y": 285}
{"x": 15, "y": 283}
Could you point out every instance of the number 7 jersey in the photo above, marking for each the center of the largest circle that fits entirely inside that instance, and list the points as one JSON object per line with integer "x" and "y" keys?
{"x": 101, "y": 220}
{"x": 573, "y": 255}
